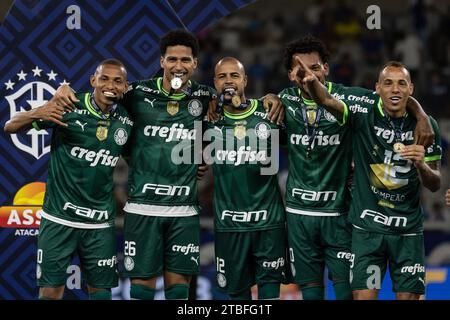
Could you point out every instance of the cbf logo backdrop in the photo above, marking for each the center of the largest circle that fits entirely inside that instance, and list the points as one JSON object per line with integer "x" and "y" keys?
{"x": 44, "y": 44}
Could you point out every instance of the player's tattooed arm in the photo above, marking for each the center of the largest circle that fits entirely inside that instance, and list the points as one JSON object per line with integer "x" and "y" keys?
{"x": 317, "y": 90}
{"x": 65, "y": 96}
{"x": 23, "y": 120}
{"x": 429, "y": 173}
{"x": 447, "y": 198}
{"x": 423, "y": 134}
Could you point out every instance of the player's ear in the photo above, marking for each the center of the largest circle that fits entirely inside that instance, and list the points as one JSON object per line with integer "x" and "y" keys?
{"x": 161, "y": 60}
{"x": 377, "y": 88}
{"x": 326, "y": 69}
{"x": 411, "y": 88}
{"x": 195, "y": 63}
{"x": 92, "y": 80}
{"x": 245, "y": 81}
{"x": 291, "y": 75}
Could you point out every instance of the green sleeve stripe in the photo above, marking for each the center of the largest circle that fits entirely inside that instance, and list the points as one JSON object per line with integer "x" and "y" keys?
{"x": 433, "y": 158}
{"x": 345, "y": 115}
{"x": 35, "y": 125}
{"x": 380, "y": 107}
{"x": 89, "y": 107}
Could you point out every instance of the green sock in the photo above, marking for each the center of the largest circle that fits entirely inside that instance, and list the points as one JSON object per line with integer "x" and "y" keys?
{"x": 243, "y": 295}
{"x": 141, "y": 292}
{"x": 177, "y": 292}
{"x": 268, "y": 291}
{"x": 101, "y": 295}
{"x": 343, "y": 291}
{"x": 312, "y": 293}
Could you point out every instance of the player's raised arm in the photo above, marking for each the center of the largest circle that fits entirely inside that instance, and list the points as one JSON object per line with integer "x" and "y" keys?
{"x": 23, "y": 120}
{"x": 423, "y": 134}
{"x": 317, "y": 90}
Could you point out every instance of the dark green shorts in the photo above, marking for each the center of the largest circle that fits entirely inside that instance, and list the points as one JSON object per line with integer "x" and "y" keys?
{"x": 155, "y": 244}
{"x": 96, "y": 249}
{"x": 316, "y": 242}
{"x": 372, "y": 252}
{"x": 247, "y": 258}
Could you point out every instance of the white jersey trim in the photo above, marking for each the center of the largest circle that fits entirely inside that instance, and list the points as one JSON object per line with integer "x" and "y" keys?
{"x": 403, "y": 235}
{"x": 78, "y": 225}
{"x": 160, "y": 211}
{"x": 313, "y": 213}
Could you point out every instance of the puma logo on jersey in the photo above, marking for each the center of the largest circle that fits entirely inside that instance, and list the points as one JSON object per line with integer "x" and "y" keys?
{"x": 421, "y": 280}
{"x": 150, "y": 101}
{"x": 293, "y": 110}
{"x": 195, "y": 260}
{"x": 80, "y": 124}
{"x": 218, "y": 129}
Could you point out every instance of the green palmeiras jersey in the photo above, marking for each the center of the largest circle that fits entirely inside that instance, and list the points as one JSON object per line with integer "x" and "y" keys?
{"x": 79, "y": 190}
{"x": 244, "y": 149}
{"x": 320, "y": 155}
{"x": 386, "y": 195}
{"x": 165, "y": 146}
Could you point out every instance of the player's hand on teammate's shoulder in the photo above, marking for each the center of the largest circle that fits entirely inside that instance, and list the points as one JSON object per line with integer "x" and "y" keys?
{"x": 424, "y": 134}
{"x": 65, "y": 96}
{"x": 212, "y": 115}
{"x": 53, "y": 112}
{"x": 273, "y": 105}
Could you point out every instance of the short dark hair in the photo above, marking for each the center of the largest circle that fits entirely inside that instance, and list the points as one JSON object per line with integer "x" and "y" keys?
{"x": 112, "y": 61}
{"x": 307, "y": 44}
{"x": 179, "y": 37}
{"x": 395, "y": 64}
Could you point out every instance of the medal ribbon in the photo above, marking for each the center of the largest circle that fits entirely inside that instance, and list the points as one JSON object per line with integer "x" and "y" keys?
{"x": 311, "y": 130}
{"x": 398, "y": 133}
{"x": 104, "y": 116}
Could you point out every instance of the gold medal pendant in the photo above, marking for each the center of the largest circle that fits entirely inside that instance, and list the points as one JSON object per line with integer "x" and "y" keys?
{"x": 311, "y": 116}
{"x": 172, "y": 107}
{"x": 398, "y": 147}
{"x": 236, "y": 101}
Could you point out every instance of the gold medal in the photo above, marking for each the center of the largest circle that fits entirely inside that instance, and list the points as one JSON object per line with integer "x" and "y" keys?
{"x": 172, "y": 107}
{"x": 240, "y": 131}
{"x": 311, "y": 115}
{"x": 236, "y": 101}
{"x": 398, "y": 147}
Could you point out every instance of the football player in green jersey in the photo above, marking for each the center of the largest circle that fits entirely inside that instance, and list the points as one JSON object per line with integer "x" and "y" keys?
{"x": 162, "y": 223}
{"x": 317, "y": 194}
{"x": 248, "y": 207}
{"x": 389, "y": 170}
{"x": 79, "y": 208}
